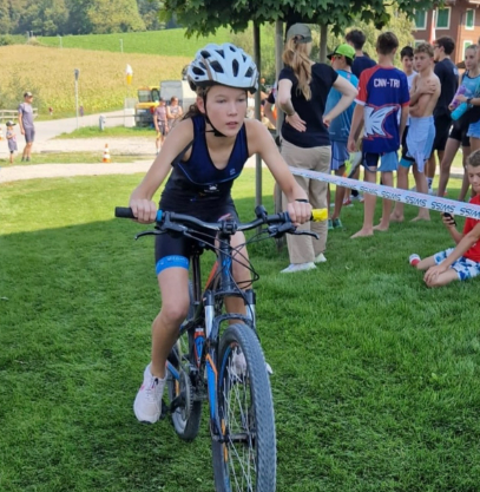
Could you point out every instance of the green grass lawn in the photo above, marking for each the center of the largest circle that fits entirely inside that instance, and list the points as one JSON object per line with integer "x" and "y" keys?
{"x": 376, "y": 383}
{"x": 169, "y": 42}
{"x": 69, "y": 158}
{"x": 111, "y": 131}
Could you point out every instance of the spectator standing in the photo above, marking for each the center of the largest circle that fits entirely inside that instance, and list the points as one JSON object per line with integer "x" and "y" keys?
{"x": 161, "y": 123}
{"x": 303, "y": 87}
{"x": 341, "y": 60}
{"x": 419, "y": 141}
{"x": 11, "y": 139}
{"x": 27, "y": 128}
{"x": 362, "y": 61}
{"x": 174, "y": 112}
{"x": 447, "y": 72}
{"x": 382, "y": 103}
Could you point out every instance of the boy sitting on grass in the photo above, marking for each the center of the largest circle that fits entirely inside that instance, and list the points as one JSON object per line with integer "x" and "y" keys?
{"x": 463, "y": 261}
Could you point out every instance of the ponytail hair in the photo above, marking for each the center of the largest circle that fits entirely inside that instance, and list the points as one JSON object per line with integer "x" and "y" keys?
{"x": 193, "y": 109}
{"x": 296, "y": 56}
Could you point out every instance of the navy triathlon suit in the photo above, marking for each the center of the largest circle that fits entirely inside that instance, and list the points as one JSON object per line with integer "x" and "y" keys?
{"x": 196, "y": 187}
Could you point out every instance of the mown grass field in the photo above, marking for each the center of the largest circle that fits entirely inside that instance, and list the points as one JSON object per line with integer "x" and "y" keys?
{"x": 169, "y": 42}
{"x": 376, "y": 382}
{"x": 49, "y": 74}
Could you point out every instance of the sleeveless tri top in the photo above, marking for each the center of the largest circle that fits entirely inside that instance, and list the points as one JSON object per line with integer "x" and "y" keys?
{"x": 197, "y": 179}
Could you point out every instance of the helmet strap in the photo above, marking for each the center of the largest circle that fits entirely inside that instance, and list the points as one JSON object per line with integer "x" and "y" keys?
{"x": 215, "y": 132}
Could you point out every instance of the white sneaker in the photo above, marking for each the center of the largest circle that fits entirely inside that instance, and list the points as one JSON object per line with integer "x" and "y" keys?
{"x": 320, "y": 258}
{"x": 298, "y": 267}
{"x": 148, "y": 402}
{"x": 239, "y": 365}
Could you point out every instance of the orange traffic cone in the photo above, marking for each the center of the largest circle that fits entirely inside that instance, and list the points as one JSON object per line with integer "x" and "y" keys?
{"x": 106, "y": 154}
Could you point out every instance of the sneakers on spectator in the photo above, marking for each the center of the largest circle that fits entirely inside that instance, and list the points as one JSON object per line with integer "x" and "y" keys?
{"x": 320, "y": 258}
{"x": 298, "y": 267}
{"x": 148, "y": 402}
{"x": 355, "y": 160}
{"x": 347, "y": 202}
{"x": 330, "y": 224}
{"x": 337, "y": 223}
{"x": 414, "y": 259}
{"x": 358, "y": 198}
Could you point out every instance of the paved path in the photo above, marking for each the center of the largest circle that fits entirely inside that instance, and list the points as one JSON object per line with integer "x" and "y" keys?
{"x": 45, "y": 141}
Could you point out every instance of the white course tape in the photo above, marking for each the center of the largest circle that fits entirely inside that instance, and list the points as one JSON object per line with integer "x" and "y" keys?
{"x": 453, "y": 207}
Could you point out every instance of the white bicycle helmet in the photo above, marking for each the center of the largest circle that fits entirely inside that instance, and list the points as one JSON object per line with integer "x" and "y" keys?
{"x": 224, "y": 64}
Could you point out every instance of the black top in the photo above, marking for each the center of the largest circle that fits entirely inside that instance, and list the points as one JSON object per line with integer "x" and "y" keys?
{"x": 198, "y": 181}
{"x": 447, "y": 72}
{"x": 316, "y": 135}
{"x": 361, "y": 63}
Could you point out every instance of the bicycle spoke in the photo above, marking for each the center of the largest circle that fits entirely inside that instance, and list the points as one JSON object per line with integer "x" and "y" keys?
{"x": 240, "y": 425}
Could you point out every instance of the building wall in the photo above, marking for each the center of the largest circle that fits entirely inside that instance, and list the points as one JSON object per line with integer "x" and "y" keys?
{"x": 456, "y": 30}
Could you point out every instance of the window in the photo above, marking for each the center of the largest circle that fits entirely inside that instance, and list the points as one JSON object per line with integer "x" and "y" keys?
{"x": 466, "y": 44}
{"x": 443, "y": 18}
{"x": 470, "y": 19}
{"x": 420, "y": 20}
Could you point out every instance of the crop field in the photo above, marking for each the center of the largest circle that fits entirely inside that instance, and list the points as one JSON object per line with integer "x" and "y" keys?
{"x": 49, "y": 74}
{"x": 170, "y": 42}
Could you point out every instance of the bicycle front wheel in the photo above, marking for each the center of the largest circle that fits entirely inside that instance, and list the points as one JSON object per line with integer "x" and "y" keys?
{"x": 244, "y": 459}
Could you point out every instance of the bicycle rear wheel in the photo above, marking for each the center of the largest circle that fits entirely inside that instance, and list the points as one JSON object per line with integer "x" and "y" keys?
{"x": 246, "y": 460}
{"x": 187, "y": 416}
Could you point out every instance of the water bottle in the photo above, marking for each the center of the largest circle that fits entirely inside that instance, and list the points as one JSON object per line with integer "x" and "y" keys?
{"x": 460, "y": 111}
{"x": 455, "y": 102}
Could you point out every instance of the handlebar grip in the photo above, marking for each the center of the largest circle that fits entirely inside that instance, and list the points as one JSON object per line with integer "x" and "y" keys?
{"x": 319, "y": 214}
{"x": 124, "y": 213}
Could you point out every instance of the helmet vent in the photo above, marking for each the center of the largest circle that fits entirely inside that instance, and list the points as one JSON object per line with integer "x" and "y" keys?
{"x": 217, "y": 67}
{"x": 235, "y": 67}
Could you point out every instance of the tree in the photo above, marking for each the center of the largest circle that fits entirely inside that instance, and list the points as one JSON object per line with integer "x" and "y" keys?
{"x": 107, "y": 16}
{"x": 45, "y": 17}
{"x": 148, "y": 10}
{"x": 204, "y": 16}
{"x": 78, "y": 20}
{"x": 5, "y": 20}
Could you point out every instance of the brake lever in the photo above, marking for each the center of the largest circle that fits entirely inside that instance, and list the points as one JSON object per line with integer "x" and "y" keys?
{"x": 306, "y": 233}
{"x": 278, "y": 231}
{"x": 155, "y": 232}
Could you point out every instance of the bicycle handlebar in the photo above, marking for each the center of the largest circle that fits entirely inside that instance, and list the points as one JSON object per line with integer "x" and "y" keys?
{"x": 168, "y": 218}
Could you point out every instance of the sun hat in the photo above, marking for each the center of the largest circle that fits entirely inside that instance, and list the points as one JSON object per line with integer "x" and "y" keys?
{"x": 343, "y": 49}
{"x": 28, "y": 94}
{"x": 300, "y": 32}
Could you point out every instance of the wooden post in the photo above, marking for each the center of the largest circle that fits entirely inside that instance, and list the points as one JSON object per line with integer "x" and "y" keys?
{"x": 323, "y": 42}
{"x": 258, "y": 159}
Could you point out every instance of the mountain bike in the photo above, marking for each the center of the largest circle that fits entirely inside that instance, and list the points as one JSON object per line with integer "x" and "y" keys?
{"x": 224, "y": 366}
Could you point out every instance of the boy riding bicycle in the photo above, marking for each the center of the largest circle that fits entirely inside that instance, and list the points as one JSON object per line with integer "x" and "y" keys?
{"x": 206, "y": 152}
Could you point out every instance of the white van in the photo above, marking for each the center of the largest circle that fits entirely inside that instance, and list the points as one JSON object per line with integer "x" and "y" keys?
{"x": 180, "y": 89}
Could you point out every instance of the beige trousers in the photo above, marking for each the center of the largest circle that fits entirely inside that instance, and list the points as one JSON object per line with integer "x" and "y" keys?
{"x": 303, "y": 249}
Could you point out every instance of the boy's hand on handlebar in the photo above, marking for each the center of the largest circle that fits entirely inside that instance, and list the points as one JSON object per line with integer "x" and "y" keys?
{"x": 144, "y": 210}
{"x": 300, "y": 212}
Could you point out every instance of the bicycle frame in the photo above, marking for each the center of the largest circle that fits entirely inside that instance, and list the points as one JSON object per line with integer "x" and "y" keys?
{"x": 206, "y": 321}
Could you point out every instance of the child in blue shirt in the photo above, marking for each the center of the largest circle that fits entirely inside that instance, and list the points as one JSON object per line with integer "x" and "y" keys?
{"x": 339, "y": 129}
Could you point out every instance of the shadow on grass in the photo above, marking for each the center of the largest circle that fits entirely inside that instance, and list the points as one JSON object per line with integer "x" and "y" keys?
{"x": 376, "y": 377}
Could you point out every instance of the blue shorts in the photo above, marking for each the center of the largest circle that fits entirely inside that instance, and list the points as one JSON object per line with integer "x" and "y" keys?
{"x": 474, "y": 130}
{"x": 388, "y": 162}
{"x": 340, "y": 154}
{"x": 464, "y": 267}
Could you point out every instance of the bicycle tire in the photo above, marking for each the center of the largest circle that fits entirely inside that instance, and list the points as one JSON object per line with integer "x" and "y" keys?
{"x": 186, "y": 418}
{"x": 253, "y": 435}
